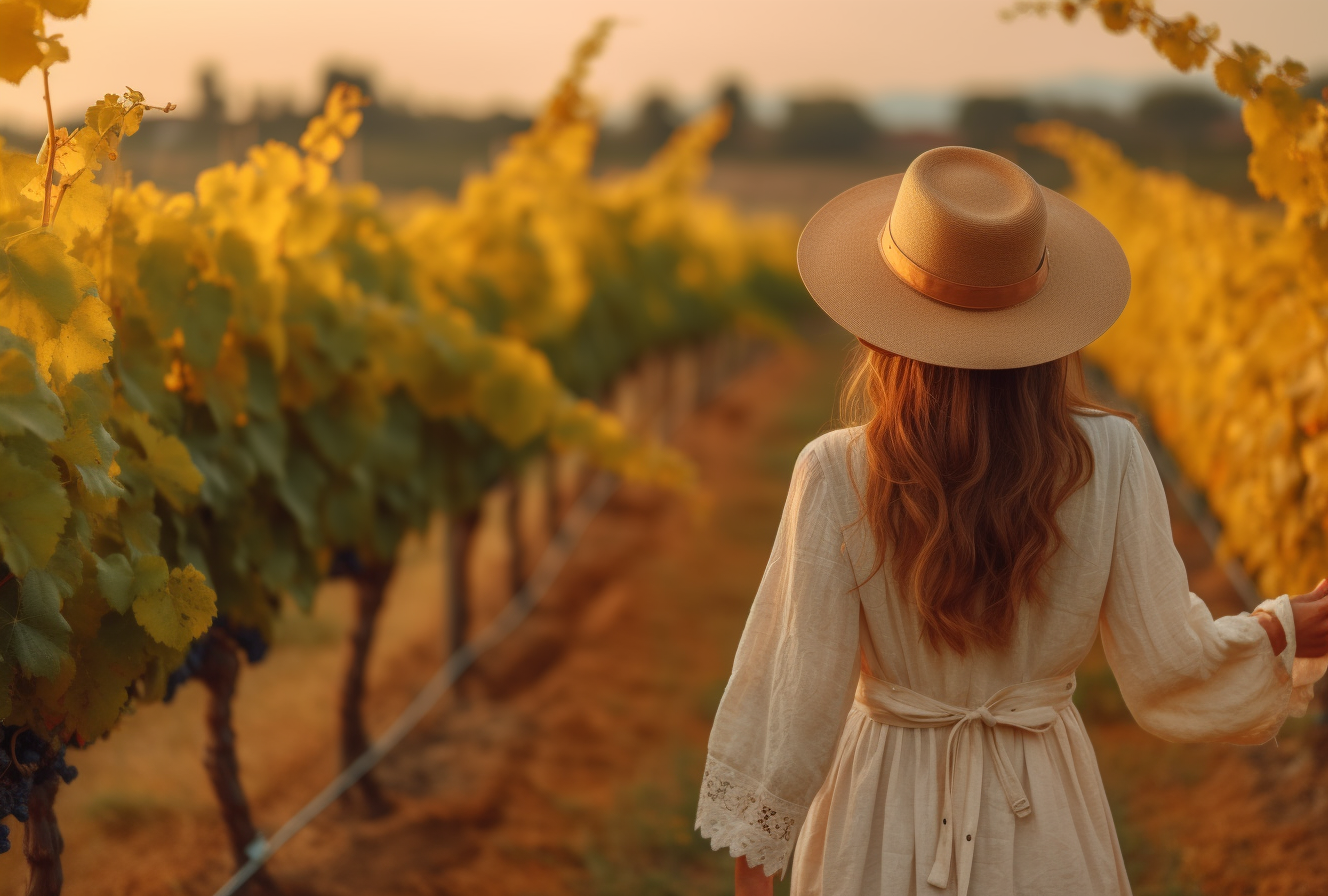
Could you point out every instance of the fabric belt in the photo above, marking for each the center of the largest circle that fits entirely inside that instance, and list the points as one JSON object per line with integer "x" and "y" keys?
{"x": 1029, "y": 706}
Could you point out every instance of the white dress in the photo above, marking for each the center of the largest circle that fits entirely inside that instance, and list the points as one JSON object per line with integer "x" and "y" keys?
{"x": 896, "y": 769}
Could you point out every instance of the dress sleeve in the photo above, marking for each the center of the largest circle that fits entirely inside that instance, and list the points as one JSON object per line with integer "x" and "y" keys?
{"x": 791, "y": 688}
{"x": 1186, "y": 676}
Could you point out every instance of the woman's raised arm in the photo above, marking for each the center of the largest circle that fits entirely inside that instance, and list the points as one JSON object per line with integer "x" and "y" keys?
{"x": 1184, "y": 675}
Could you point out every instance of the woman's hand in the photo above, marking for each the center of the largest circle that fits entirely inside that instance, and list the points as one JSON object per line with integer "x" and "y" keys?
{"x": 1310, "y": 612}
{"x": 751, "y": 881}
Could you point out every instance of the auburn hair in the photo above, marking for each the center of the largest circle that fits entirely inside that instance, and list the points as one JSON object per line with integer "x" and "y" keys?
{"x": 965, "y": 472}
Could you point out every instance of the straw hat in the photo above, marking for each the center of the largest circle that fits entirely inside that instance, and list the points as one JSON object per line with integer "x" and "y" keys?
{"x": 964, "y": 261}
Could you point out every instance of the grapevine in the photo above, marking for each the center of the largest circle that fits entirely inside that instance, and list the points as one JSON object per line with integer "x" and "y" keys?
{"x": 1224, "y": 340}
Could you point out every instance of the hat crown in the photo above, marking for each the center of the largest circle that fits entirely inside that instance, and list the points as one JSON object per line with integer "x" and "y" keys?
{"x": 970, "y": 217}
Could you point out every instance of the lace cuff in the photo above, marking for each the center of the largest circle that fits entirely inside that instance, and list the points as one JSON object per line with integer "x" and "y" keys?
{"x": 737, "y": 812}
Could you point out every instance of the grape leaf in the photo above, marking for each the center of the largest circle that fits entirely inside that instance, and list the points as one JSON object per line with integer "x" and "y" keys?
{"x": 19, "y": 51}
{"x": 32, "y": 631}
{"x": 42, "y": 272}
{"x": 179, "y": 611}
{"x": 151, "y": 574}
{"x": 108, "y": 664}
{"x": 169, "y": 465}
{"x": 115, "y": 578}
{"x": 515, "y": 396}
{"x": 33, "y": 510}
{"x": 202, "y": 316}
{"x": 84, "y": 207}
{"x": 83, "y": 344}
{"x": 87, "y": 446}
{"x": 26, "y": 402}
{"x": 65, "y": 9}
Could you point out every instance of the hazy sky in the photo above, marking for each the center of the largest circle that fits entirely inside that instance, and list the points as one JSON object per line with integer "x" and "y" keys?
{"x": 475, "y": 53}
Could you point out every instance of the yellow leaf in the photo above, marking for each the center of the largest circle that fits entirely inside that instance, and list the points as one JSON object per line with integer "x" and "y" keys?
{"x": 84, "y": 206}
{"x": 83, "y": 344}
{"x": 19, "y": 50}
{"x": 515, "y": 394}
{"x": 1115, "y": 13}
{"x": 65, "y": 9}
{"x": 55, "y": 52}
{"x": 325, "y": 137}
{"x": 42, "y": 272}
{"x": 179, "y": 610}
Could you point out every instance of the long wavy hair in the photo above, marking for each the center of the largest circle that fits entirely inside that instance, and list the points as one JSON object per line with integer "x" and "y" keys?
{"x": 965, "y": 472}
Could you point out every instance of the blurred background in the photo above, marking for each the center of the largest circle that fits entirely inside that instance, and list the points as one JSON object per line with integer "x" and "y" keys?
{"x": 825, "y": 94}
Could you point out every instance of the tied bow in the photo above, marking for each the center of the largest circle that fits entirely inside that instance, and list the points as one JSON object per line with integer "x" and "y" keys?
{"x": 1032, "y": 706}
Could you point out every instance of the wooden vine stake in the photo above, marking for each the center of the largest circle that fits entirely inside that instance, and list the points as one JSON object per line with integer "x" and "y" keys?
{"x": 370, "y": 589}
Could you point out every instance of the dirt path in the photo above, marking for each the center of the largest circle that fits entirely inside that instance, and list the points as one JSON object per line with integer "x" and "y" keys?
{"x": 568, "y": 762}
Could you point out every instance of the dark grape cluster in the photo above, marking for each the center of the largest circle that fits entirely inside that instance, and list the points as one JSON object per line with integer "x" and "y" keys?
{"x": 36, "y": 762}
{"x": 346, "y": 563}
{"x": 249, "y": 639}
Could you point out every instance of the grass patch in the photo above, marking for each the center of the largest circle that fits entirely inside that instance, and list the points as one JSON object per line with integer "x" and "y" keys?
{"x": 1154, "y": 868}
{"x": 119, "y": 813}
{"x": 647, "y": 847}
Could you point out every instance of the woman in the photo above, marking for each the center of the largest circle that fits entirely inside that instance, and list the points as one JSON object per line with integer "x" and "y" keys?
{"x": 900, "y": 705}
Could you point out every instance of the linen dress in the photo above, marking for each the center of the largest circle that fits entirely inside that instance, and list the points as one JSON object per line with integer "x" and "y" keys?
{"x": 890, "y": 764}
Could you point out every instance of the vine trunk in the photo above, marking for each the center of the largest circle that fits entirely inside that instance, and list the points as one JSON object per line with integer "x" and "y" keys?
{"x": 219, "y": 672}
{"x": 370, "y": 588}
{"x": 42, "y": 842}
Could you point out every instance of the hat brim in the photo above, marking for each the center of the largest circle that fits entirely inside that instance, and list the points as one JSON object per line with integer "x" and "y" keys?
{"x": 839, "y": 258}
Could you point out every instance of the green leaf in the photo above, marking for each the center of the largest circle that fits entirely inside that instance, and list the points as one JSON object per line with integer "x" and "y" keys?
{"x": 168, "y": 462}
{"x": 32, "y": 631}
{"x": 150, "y": 574}
{"x": 141, "y": 528}
{"x": 33, "y": 510}
{"x": 87, "y": 446}
{"x": 108, "y": 664}
{"x": 179, "y": 611}
{"x": 300, "y": 492}
{"x": 115, "y": 578}
{"x": 42, "y": 272}
{"x": 203, "y": 317}
{"x": 26, "y": 402}
{"x": 266, "y": 441}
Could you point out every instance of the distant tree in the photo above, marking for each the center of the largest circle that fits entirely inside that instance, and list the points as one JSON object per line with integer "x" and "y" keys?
{"x": 828, "y": 126}
{"x": 212, "y": 107}
{"x": 1182, "y": 115}
{"x": 742, "y": 128}
{"x": 337, "y": 74}
{"x": 655, "y": 122}
{"x": 989, "y": 122}
{"x": 1315, "y": 87}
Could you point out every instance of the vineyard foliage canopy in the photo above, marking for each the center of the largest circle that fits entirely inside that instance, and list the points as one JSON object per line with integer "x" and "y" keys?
{"x": 204, "y": 396}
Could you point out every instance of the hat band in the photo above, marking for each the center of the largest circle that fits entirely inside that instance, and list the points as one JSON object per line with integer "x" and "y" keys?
{"x": 961, "y": 295}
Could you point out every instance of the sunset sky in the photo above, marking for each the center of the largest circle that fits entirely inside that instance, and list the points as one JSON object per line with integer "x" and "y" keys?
{"x": 474, "y": 54}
